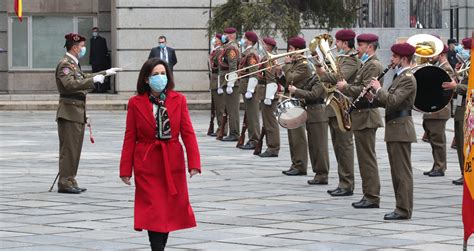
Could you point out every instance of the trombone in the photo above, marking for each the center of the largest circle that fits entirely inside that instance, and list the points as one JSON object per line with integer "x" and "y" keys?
{"x": 231, "y": 76}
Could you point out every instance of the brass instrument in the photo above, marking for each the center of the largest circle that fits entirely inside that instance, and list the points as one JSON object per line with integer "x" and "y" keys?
{"x": 463, "y": 71}
{"x": 231, "y": 76}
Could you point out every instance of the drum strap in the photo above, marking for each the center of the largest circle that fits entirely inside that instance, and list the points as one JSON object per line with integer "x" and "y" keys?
{"x": 399, "y": 114}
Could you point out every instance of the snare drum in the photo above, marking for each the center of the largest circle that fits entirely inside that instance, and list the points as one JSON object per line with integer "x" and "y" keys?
{"x": 291, "y": 114}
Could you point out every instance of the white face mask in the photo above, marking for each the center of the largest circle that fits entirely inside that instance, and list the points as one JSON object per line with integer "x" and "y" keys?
{"x": 95, "y": 34}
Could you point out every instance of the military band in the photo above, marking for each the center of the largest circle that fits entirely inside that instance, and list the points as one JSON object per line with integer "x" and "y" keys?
{"x": 249, "y": 60}
{"x": 365, "y": 120}
{"x": 215, "y": 85}
{"x": 267, "y": 94}
{"x": 228, "y": 63}
{"x": 342, "y": 142}
{"x": 357, "y": 79}
{"x": 297, "y": 72}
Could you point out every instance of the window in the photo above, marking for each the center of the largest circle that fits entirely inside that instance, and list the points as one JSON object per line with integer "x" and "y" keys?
{"x": 376, "y": 13}
{"x": 425, "y": 14}
{"x": 38, "y": 42}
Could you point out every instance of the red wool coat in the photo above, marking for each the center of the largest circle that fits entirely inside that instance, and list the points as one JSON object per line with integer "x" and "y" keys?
{"x": 161, "y": 193}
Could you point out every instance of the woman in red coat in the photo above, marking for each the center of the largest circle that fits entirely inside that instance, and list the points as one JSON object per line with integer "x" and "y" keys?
{"x": 156, "y": 117}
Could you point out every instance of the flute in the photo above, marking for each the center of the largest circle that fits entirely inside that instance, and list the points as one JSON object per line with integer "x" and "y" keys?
{"x": 367, "y": 89}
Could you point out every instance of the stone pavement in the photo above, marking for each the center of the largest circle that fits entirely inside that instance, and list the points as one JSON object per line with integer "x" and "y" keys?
{"x": 242, "y": 202}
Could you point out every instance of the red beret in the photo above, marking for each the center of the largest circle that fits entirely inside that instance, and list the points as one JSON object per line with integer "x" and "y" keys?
{"x": 297, "y": 42}
{"x": 270, "y": 41}
{"x": 467, "y": 42}
{"x": 445, "y": 49}
{"x": 230, "y": 30}
{"x": 252, "y": 36}
{"x": 367, "y": 37}
{"x": 74, "y": 37}
{"x": 345, "y": 35}
{"x": 403, "y": 49}
{"x": 218, "y": 35}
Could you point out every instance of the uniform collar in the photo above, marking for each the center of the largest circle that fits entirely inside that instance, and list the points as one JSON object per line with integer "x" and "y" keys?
{"x": 73, "y": 58}
{"x": 401, "y": 70}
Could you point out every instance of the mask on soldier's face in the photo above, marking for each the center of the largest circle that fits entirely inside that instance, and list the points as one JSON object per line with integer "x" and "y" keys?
{"x": 224, "y": 39}
{"x": 82, "y": 52}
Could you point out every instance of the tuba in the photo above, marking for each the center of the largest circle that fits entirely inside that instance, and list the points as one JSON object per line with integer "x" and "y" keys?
{"x": 430, "y": 95}
{"x": 335, "y": 99}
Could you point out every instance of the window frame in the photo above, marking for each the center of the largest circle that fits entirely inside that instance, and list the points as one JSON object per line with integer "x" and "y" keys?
{"x": 30, "y": 20}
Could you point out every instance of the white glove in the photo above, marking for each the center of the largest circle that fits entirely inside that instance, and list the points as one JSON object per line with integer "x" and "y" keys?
{"x": 270, "y": 91}
{"x": 220, "y": 91}
{"x": 248, "y": 95}
{"x": 251, "y": 87}
{"x": 112, "y": 71}
{"x": 229, "y": 90}
{"x": 267, "y": 101}
{"x": 99, "y": 78}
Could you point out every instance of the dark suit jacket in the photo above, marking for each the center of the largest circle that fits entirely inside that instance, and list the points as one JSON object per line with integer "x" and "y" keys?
{"x": 172, "y": 59}
{"x": 98, "y": 56}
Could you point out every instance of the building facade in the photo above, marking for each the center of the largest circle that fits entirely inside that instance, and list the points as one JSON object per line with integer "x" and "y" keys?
{"x": 29, "y": 50}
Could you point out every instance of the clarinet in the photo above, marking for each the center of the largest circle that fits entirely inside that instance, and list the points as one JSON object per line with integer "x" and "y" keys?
{"x": 367, "y": 89}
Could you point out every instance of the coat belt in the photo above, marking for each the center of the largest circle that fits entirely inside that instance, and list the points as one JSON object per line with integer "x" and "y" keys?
{"x": 164, "y": 150}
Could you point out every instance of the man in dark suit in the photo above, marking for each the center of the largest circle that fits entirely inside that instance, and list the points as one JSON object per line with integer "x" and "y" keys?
{"x": 164, "y": 52}
{"x": 98, "y": 58}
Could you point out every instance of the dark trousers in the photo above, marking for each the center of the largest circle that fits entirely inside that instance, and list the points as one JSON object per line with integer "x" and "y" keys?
{"x": 157, "y": 240}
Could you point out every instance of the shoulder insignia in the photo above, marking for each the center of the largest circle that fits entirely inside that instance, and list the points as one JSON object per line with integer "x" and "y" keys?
{"x": 408, "y": 74}
{"x": 252, "y": 61}
{"x": 66, "y": 70}
{"x": 232, "y": 54}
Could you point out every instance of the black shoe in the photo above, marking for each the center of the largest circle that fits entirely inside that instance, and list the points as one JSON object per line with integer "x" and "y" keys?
{"x": 82, "y": 189}
{"x": 339, "y": 192}
{"x": 267, "y": 154}
{"x": 428, "y": 172}
{"x": 365, "y": 204}
{"x": 394, "y": 216}
{"x": 332, "y": 190}
{"x": 213, "y": 134}
{"x": 317, "y": 182}
{"x": 436, "y": 173}
{"x": 293, "y": 172}
{"x": 459, "y": 182}
{"x": 72, "y": 190}
{"x": 248, "y": 146}
{"x": 230, "y": 138}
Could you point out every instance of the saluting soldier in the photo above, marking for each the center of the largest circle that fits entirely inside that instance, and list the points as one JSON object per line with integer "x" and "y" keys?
{"x": 365, "y": 120}
{"x": 435, "y": 123}
{"x": 229, "y": 63}
{"x": 267, "y": 94}
{"x": 215, "y": 85}
{"x": 297, "y": 72}
{"x": 398, "y": 101}
{"x": 342, "y": 141}
{"x": 73, "y": 85}
{"x": 247, "y": 88}
{"x": 461, "y": 90}
{"x": 314, "y": 94}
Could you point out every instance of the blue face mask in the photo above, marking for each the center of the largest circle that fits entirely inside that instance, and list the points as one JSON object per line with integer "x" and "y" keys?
{"x": 158, "y": 82}
{"x": 82, "y": 53}
{"x": 341, "y": 51}
{"x": 224, "y": 39}
{"x": 213, "y": 41}
{"x": 364, "y": 57}
{"x": 162, "y": 45}
{"x": 242, "y": 42}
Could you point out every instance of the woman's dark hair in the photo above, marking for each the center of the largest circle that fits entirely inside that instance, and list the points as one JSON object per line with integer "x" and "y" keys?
{"x": 145, "y": 73}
